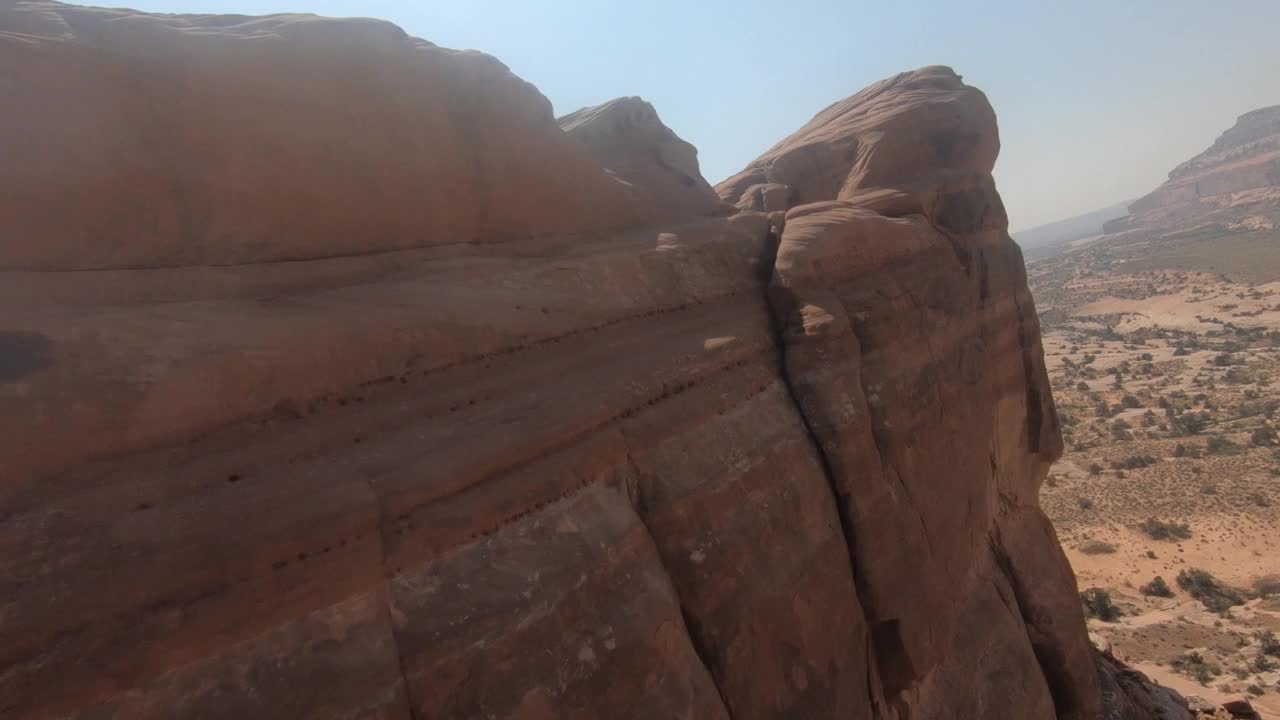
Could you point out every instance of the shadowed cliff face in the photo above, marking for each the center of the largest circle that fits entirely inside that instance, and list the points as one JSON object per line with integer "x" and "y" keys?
{"x": 529, "y": 427}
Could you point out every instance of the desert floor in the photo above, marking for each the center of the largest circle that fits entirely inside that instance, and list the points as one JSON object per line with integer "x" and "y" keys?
{"x": 1163, "y": 380}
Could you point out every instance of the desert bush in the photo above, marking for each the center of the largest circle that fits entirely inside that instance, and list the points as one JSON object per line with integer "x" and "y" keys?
{"x": 1097, "y": 604}
{"x": 1120, "y": 430}
{"x": 1189, "y": 423}
{"x": 1204, "y": 587}
{"x": 1263, "y": 437}
{"x": 1097, "y": 547}
{"x": 1157, "y": 588}
{"x": 1084, "y": 503}
{"x": 1267, "y": 643}
{"x": 1130, "y": 402}
{"x": 1193, "y": 665}
{"x": 1095, "y": 469}
{"x": 1133, "y": 461}
{"x": 1161, "y": 530}
{"x": 1219, "y": 445}
{"x": 1082, "y": 386}
{"x": 1208, "y": 489}
{"x": 1267, "y": 586}
{"x": 1238, "y": 376}
{"x": 1258, "y": 499}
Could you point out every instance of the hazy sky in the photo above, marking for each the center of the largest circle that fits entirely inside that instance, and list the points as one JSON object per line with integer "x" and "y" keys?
{"x": 1097, "y": 100}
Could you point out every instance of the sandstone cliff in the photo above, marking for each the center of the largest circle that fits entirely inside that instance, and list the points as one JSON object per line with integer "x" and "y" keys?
{"x": 1235, "y": 183}
{"x": 338, "y": 381}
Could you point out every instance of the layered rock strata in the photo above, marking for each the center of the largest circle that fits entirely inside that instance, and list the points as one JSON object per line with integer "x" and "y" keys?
{"x": 339, "y": 381}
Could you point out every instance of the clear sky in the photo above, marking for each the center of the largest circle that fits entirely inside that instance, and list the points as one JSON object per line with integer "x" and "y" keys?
{"x": 1097, "y": 99}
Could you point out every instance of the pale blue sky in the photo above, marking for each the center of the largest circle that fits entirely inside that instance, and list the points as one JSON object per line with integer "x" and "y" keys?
{"x": 1097, "y": 99}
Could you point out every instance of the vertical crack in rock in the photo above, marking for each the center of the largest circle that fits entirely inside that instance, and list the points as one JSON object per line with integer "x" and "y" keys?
{"x": 1048, "y": 656}
{"x": 692, "y": 630}
{"x": 387, "y": 609}
{"x": 1035, "y": 399}
{"x": 896, "y": 671}
{"x": 777, "y": 324}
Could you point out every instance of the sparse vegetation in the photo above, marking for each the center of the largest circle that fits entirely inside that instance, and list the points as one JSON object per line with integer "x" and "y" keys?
{"x": 1157, "y": 588}
{"x": 1176, "y": 437}
{"x": 1204, "y": 587}
{"x": 1133, "y": 461}
{"x": 1097, "y": 547}
{"x": 1162, "y": 530}
{"x": 1219, "y": 445}
{"x": 1193, "y": 665}
{"x": 1267, "y": 643}
{"x": 1097, "y": 604}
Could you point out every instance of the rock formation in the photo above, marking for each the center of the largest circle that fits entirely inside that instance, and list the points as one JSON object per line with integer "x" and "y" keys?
{"x": 340, "y": 382}
{"x": 1234, "y": 184}
{"x": 626, "y": 136}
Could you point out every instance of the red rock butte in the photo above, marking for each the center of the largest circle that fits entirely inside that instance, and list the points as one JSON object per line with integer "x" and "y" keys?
{"x": 341, "y": 380}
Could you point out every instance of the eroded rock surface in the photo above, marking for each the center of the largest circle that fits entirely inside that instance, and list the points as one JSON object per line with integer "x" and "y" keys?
{"x": 1234, "y": 184}
{"x": 348, "y": 385}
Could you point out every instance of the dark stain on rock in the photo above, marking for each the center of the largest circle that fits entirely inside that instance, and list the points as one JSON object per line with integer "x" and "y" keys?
{"x": 23, "y": 353}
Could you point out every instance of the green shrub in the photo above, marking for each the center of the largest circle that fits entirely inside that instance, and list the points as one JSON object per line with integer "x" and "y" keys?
{"x": 1097, "y": 547}
{"x": 1161, "y": 530}
{"x": 1157, "y": 588}
{"x": 1133, "y": 461}
{"x": 1204, "y": 587}
{"x": 1267, "y": 643}
{"x": 1193, "y": 665}
{"x": 1097, "y": 604}
{"x": 1219, "y": 445}
{"x": 1267, "y": 586}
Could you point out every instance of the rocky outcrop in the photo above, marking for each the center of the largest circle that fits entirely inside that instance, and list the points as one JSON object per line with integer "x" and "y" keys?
{"x": 627, "y": 138}
{"x": 490, "y": 419}
{"x": 1129, "y": 695}
{"x": 1235, "y": 183}
{"x": 911, "y": 347}
{"x": 127, "y": 137}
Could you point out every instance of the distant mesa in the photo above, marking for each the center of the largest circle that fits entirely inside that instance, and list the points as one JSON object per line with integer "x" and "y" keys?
{"x": 1235, "y": 184}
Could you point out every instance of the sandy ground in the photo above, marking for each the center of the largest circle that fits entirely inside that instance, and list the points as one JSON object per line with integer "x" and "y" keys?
{"x": 1184, "y": 345}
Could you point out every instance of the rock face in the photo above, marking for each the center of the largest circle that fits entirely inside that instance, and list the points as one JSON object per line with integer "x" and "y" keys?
{"x": 627, "y": 137}
{"x": 127, "y": 136}
{"x": 1235, "y": 183}
{"x": 339, "y": 382}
